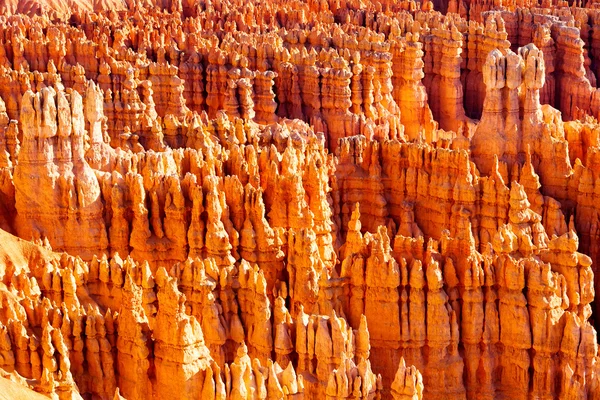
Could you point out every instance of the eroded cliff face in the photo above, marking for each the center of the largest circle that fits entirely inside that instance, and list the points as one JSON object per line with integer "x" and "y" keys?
{"x": 275, "y": 200}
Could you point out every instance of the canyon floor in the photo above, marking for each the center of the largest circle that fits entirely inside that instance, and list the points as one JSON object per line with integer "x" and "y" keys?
{"x": 286, "y": 199}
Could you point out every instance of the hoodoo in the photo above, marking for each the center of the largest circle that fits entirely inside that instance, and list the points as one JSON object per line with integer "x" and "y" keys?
{"x": 332, "y": 199}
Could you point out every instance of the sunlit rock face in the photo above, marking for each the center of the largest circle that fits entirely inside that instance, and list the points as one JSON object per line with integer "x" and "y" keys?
{"x": 299, "y": 200}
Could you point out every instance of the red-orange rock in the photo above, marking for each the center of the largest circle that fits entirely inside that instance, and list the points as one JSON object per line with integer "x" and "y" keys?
{"x": 297, "y": 200}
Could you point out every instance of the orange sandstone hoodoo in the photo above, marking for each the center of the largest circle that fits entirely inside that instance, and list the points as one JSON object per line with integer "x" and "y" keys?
{"x": 331, "y": 199}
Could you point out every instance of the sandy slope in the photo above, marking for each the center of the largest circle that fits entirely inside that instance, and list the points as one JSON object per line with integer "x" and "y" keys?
{"x": 20, "y": 254}
{"x": 13, "y": 391}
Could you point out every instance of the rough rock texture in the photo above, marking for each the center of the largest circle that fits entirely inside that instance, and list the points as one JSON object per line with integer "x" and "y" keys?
{"x": 299, "y": 200}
